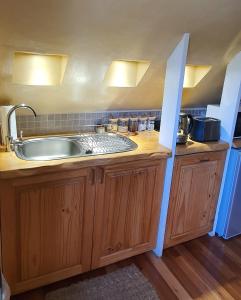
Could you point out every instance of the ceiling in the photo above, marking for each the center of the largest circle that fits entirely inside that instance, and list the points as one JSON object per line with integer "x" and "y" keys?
{"x": 93, "y": 33}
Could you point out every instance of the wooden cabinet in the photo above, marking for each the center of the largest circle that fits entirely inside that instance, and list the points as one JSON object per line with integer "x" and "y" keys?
{"x": 57, "y": 225}
{"x": 127, "y": 210}
{"x": 46, "y": 228}
{"x": 194, "y": 194}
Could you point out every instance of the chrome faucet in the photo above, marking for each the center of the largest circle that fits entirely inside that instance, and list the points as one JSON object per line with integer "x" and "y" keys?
{"x": 9, "y": 138}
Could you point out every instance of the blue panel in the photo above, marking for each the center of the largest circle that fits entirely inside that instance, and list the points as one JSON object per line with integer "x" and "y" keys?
{"x": 229, "y": 217}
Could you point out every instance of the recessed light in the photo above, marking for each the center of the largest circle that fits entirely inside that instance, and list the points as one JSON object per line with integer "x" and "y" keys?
{"x": 123, "y": 73}
{"x": 194, "y": 74}
{"x": 38, "y": 69}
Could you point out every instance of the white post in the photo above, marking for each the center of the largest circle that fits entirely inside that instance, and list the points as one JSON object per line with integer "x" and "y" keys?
{"x": 227, "y": 113}
{"x": 171, "y": 107}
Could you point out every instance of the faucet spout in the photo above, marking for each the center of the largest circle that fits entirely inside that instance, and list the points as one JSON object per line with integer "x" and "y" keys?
{"x": 9, "y": 138}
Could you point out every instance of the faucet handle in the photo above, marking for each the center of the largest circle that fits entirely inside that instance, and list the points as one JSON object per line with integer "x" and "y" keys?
{"x": 9, "y": 141}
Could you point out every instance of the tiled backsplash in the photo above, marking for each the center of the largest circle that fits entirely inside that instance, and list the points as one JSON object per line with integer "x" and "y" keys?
{"x": 80, "y": 122}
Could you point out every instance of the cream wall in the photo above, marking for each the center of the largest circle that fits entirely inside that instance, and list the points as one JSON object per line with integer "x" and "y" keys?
{"x": 94, "y": 32}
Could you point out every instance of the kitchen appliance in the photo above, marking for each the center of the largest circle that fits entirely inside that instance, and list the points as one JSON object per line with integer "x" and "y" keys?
{"x": 157, "y": 123}
{"x": 229, "y": 220}
{"x": 205, "y": 129}
{"x": 184, "y": 127}
{"x": 237, "y": 131}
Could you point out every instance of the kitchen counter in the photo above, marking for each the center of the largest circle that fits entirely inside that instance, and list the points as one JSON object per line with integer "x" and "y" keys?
{"x": 148, "y": 148}
{"x": 192, "y": 147}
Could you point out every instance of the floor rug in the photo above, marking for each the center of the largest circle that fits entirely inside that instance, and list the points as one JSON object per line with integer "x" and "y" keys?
{"x": 127, "y": 283}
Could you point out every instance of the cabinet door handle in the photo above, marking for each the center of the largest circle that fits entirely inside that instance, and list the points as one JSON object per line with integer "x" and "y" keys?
{"x": 204, "y": 160}
{"x": 100, "y": 175}
{"x": 137, "y": 172}
{"x": 92, "y": 176}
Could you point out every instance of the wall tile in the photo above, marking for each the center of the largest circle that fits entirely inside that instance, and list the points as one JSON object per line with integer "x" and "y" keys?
{"x": 51, "y": 117}
{"x": 81, "y": 122}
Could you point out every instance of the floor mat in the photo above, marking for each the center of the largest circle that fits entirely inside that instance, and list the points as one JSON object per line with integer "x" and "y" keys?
{"x": 127, "y": 283}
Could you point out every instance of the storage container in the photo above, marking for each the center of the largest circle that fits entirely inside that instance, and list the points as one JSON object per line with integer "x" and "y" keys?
{"x": 133, "y": 125}
{"x": 142, "y": 123}
{"x": 150, "y": 123}
{"x": 114, "y": 124}
{"x": 123, "y": 125}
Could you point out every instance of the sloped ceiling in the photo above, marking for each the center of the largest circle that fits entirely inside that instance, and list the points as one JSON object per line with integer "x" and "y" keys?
{"x": 95, "y": 32}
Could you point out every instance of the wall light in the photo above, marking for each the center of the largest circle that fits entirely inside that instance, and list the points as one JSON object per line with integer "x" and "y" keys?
{"x": 194, "y": 74}
{"x": 122, "y": 73}
{"x": 38, "y": 69}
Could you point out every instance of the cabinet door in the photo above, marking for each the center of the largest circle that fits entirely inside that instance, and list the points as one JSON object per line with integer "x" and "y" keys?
{"x": 194, "y": 194}
{"x": 46, "y": 228}
{"x": 127, "y": 209}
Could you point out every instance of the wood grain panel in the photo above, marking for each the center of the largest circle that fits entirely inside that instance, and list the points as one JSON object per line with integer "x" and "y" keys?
{"x": 49, "y": 217}
{"x": 196, "y": 182}
{"x": 194, "y": 194}
{"x": 53, "y": 223}
{"x": 127, "y": 211}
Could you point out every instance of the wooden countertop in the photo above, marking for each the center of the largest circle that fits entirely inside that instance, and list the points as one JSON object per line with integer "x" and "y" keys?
{"x": 192, "y": 147}
{"x": 148, "y": 148}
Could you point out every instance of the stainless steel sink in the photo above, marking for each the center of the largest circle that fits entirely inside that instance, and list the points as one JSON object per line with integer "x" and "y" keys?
{"x": 50, "y": 148}
{"x": 47, "y": 148}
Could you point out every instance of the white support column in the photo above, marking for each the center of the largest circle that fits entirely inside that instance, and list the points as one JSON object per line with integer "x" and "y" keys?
{"x": 171, "y": 106}
{"x": 227, "y": 113}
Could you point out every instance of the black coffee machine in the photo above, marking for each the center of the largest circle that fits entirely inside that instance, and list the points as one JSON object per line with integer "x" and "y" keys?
{"x": 184, "y": 127}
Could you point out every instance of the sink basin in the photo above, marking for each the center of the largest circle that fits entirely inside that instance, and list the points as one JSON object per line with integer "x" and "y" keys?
{"x": 50, "y": 148}
{"x": 47, "y": 148}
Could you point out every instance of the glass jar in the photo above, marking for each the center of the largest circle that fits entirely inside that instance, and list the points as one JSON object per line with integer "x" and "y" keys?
{"x": 150, "y": 123}
{"x": 113, "y": 124}
{"x": 142, "y": 123}
{"x": 123, "y": 125}
{"x": 100, "y": 128}
{"x": 108, "y": 127}
{"x": 133, "y": 125}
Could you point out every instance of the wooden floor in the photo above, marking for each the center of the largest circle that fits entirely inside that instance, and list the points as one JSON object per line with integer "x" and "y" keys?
{"x": 205, "y": 268}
